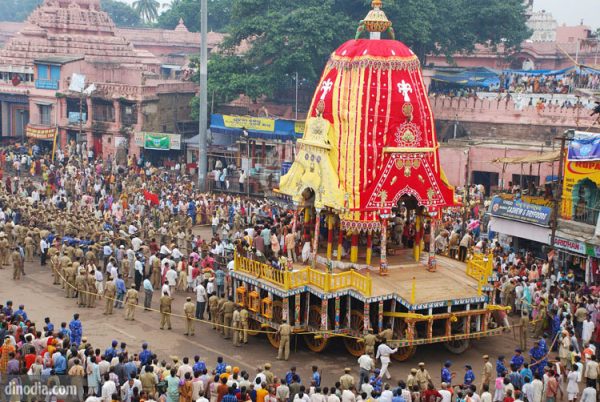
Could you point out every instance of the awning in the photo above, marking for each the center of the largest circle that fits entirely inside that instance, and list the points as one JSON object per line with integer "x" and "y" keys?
{"x": 519, "y": 229}
{"x": 257, "y": 127}
{"x": 545, "y": 157}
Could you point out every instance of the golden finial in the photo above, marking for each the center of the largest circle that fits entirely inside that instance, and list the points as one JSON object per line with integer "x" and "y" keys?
{"x": 375, "y": 22}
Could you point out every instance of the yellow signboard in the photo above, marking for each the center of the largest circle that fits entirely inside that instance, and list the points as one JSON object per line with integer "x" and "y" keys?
{"x": 299, "y": 126}
{"x": 576, "y": 171}
{"x": 40, "y": 133}
{"x": 250, "y": 123}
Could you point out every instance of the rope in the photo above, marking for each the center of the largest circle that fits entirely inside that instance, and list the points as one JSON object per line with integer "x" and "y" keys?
{"x": 328, "y": 333}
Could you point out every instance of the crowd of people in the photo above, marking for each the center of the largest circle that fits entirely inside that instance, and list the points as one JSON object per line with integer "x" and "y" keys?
{"x": 110, "y": 230}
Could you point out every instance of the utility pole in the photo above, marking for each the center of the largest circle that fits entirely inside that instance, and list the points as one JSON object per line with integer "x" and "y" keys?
{"x": 567, "y": 135}
{"x": 202, "y": 118}
{"x": 296, "y": 95}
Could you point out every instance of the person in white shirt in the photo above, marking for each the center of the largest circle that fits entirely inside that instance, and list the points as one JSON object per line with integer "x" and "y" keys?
{"x": 383, "y": 354}
{"x": 588, "y": 394}
{"x": 332, "y": 397}
{"x": 366, "y": 365}
{"x": 587, "y": 330}
{"x": 108, "y": 389}
{"x": 185, "y": 368}
{"x": 447, "y": 395}
{"x": 348, "y": 395}
{"x": 200, "y": 301}
{"x": 366, "y": 388}
{"x": 386, "y": 395}
{"x": 171, "y": 277}
{"x": 136, "y": 243}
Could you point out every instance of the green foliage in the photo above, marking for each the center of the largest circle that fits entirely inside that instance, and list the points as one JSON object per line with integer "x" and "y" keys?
{"x": 147, "y": 9}
{"x": 122, "y": 14}
{"x": 17, "y": 10}
{"x": 218, "y": 15}
{"x": 284, "y": 37}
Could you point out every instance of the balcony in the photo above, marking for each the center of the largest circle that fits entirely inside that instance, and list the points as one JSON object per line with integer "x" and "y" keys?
{"x": 585, "y": 214}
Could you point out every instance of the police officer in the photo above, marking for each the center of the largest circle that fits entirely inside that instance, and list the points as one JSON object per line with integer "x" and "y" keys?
{"x": 244, "y": 324}
{"x": 165, "y": 310}
{"x": 16, "y": 261}
{"x": 370, "y": 339}
{"x": 228, "y": 309}
{"x": 131, "y": 301}
{"x": 284, "y": 331}
{"x": 110, "y": 291}
{"x": 236, "y": 323}
{"x": 70, "y": 276}
{"x": 80, "y": 284}
{"x": 189, "y": 309}
{"x": 213, "y": 309}
{"x": 220, "y": 313}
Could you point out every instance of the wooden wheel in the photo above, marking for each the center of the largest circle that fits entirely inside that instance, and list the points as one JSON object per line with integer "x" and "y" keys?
{"x": 316, "y": 344}
{"x": 277, "y": 312}
{"x": 253, "y": 327}
{"x": 457, "y": 346}
{"x": 356, "y": 326}
{"x": 406, "y": 352}
{"x": 277, "y": 318}
{"x": 273, "y": 338}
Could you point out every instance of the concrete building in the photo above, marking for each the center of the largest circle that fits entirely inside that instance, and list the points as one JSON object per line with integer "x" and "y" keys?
{"x": 133, "y": 93}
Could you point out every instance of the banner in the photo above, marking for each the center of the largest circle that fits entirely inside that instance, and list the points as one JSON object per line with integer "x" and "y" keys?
{"x": 40, "y": 133}
{"x": 569, "y": 245}
{"x": 162, "y": 142}
{"x": 299, "y": 126}
{"x": 584, "y": 147}
{"x": 576, "y": 173}
{"x": 520, "y": 211}
{"x": 153, "y": 198}
{"x": 250, "y": 123}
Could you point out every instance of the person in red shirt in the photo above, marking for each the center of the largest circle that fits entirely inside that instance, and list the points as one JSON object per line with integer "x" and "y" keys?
{"x": 508, "y": 397}
{"x": 222, "y": 389}
{"x": 431, "y": 394}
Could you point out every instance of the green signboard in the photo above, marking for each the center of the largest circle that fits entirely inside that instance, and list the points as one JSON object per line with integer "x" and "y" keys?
{"x": 157, "y": 141}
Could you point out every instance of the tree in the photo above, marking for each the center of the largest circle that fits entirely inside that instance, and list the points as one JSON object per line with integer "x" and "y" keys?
{"x": 286, "y": 37}
{"x": 19, "y": 9}
{"x": 122, "y": 14}
{"x": 218, "y": 15}
{"x": 147, "y": 9}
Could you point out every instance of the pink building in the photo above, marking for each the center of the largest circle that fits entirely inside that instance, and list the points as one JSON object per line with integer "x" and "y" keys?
{"x": 130, "y": 91}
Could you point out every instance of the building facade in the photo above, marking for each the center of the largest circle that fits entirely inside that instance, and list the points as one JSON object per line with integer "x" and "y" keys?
{"x": 70, "y": 74}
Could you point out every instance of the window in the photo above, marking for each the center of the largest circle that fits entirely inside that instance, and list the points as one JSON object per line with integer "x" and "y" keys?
{"x": 45, "y": 114}
{"x": 103, "y": 111}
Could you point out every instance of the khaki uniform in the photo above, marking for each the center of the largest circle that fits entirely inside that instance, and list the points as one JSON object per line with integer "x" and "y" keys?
{"x": 213, "y": 308}
{"x": 220, "y": 312}
{"x": 370, "y": 341}
{"x": 486, "y": 374}
{"x": 110, "y": 292}
{"x": 523, "y": 329}
{"x": 156, "y": 273}
{"x": 131, "y": 300}
{"x": 70, "y": 275}
{"x": 346, "y": 381}
{"x": 244, "y": 324}
{"x": 189, "y": 309}
{"x": 16, "y": 261}
{"x": 4, "y": 251}
{"x": 165, "y": 311}
{"x": 236, "y": 323}
{"x": 81, "y": 285}
{"x": 423, "y": 378}
{"x": 228, "y": 309}
{"x": 55, "y": 264}
{"x": 29, "y": 248}
{"x": 285, "y": 330}
{"x": 386, "y": 335}
{"x": 91, "y": 288}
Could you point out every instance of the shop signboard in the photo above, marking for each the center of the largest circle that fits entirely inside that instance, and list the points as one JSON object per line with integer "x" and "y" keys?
{"x": 249, "y": 123}
{"x": 573, "y": 246}
{"x": 520, "y": 211}
{"x": 584, "y": 147}
{"x": 155, "y": 141}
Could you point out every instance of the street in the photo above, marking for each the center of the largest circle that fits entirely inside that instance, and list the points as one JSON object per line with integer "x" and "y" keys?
{"x": 42, "y": 299}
